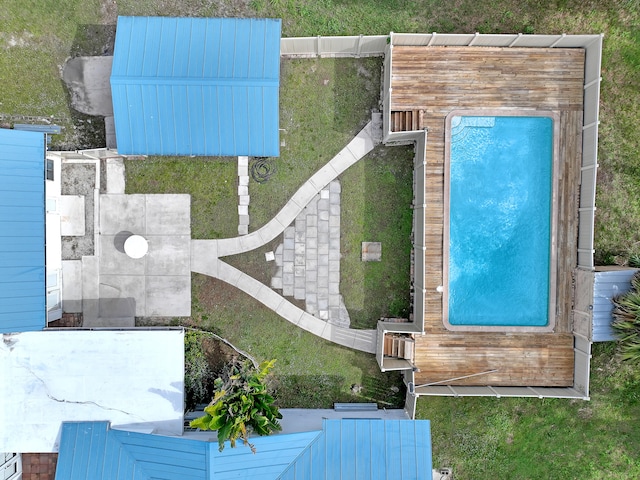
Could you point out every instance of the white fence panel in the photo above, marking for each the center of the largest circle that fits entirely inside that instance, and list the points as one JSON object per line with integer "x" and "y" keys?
{"x": 299, "y": 46}
{"x": 451, "y": 40}
{"x": 536, "y": 41}
{"x": 593, "y": 59}
{"x": 410, "y": 39}
{"x": 494, "y": 40}
{"x": 589, "y": 146}
{"x": 591, "y": 103}
{"x": 338, "y": 46}
{"x": 348, "y": 46}
{"x": 373, "y": 45}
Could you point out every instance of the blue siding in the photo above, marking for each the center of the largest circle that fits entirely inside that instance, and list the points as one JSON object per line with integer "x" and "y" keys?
{"x": 22, "y": 231}
{"x": 196, "y": 86}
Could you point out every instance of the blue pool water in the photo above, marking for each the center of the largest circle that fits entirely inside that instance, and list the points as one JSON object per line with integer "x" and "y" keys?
{"x": 501, "y": 172}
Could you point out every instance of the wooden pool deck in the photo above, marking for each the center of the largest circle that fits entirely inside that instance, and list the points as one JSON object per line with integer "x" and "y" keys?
{"x": 428, "y": 83}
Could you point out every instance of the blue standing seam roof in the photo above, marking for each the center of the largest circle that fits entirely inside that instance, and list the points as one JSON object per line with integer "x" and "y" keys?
{"x": 22, "y": 231}
{"x": 360, "y": 448}
{"x": 196, "y": 86}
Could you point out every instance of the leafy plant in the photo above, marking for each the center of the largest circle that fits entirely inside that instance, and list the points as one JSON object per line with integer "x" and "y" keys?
{"x": 626, "y": 322}
{"x": 241, "y": 402}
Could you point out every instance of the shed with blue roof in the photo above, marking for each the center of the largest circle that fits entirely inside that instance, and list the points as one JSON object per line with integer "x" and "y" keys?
{"x": 196, "y": 86}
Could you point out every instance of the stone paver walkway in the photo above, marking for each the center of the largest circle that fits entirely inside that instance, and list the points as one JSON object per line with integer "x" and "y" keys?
{"x": 206, "y": 254}
{"x": 309, "y": 258}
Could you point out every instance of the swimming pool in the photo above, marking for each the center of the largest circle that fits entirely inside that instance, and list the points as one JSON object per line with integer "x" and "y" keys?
{"x": 499, "y": 225}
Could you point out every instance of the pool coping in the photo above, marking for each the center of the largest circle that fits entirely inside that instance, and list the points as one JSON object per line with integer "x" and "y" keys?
{"x": 551, "y": 319}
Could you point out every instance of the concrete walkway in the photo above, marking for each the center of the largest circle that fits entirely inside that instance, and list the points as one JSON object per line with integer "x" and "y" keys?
{"x": 205, "y": 254}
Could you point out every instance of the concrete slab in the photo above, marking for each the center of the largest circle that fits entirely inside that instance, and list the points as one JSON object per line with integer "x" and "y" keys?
{"x": 243, "y": 165}
{"x": 288, "y": 214}
{"x": 204, "y": 257}
{"x": 113, "y": 260}
{"x": 290, "y": 312}
{"x": 251, "y": 242}
{"x": 288, "y": 255}
{"x": 115, "y": 176}
{"x": 169, "y": 255}
{"x": 71, "y": 208}
{"x": 90, "y": 287}
{"x": 168, "y": 214}
{"x": 343, "y": 160}
{"x": 87, "y": 79}
{"x": 72, "y": 286}
{"x": 371, "y": 251}
{"x": 304, "y": 195}
{"x": 125, "y": 291}
{"x": 269, "y": 298}
{"x": 168, "y": 296}
{"x": 361, "y": 143}
{"x": 322, "y": 177}
{"x": 119, "y": 213}
{"x": 312, "y": 324}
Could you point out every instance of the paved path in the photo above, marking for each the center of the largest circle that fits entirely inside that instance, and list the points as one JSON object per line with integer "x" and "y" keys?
{"x": 205, "y": 254}
{"x": 308, "y": 260}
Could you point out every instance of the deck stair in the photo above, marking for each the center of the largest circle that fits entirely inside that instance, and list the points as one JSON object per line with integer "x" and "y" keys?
{"x": 407, "y": 121}
{"x": 399, "y": 346}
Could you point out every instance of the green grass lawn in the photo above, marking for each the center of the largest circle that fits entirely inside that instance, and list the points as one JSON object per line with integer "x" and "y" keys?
{"x": 311, "y": 372}
{"x": 520, "y": 438}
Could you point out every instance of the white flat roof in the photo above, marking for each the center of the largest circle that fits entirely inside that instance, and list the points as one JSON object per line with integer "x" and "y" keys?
{"x": 132, "y": 378}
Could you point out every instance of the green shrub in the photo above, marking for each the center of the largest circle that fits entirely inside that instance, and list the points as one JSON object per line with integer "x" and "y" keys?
{"x": 626, "y": 322}
{"x": 198, "y": 376}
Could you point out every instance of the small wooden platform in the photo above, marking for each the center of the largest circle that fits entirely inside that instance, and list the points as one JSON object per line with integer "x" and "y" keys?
{"x": 435, "y": 81}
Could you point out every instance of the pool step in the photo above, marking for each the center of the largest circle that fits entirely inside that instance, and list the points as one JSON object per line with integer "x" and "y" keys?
{"x": 407, "y": 121}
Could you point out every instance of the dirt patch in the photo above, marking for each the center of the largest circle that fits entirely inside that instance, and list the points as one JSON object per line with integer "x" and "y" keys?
{"x": 217, "y": 353}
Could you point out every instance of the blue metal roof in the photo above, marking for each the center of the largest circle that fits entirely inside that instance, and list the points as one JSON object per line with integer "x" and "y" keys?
{"x": 367, "y": 449}
{"x": 22, "y": 231}
{"x": 196, "y": 86}
{"x": 360, "y": 448}
{"x": 92, "y": 451}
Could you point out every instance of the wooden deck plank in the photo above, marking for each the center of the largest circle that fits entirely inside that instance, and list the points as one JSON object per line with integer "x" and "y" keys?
{"x": 436, "y": 81}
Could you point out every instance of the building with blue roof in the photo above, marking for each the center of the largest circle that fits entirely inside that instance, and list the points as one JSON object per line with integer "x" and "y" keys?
{"x": 196, "y": 86}
{"x": 356, "y": 448}
{"x": 22, "y": 231}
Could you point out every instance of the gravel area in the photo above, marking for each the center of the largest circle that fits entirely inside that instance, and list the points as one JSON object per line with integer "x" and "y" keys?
{"x": 79, "y": 179}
